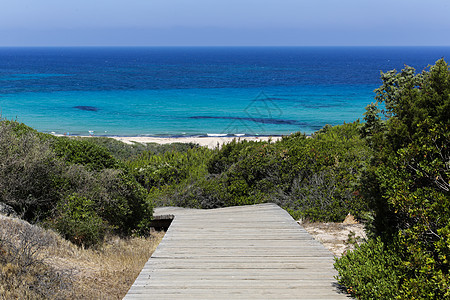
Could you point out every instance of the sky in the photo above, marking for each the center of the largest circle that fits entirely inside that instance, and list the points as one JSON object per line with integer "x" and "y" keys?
{"x": 225, "y": 23}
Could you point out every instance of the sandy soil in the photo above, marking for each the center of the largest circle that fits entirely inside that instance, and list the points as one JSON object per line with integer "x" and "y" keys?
{"x": 210, "y": 141}
{"x": 337, "y": 237}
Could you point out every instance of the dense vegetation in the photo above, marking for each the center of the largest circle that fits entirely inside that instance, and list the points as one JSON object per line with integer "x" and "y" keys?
{"x": 71, "y": 185}
{"x": 408, "y": 189}
{"x": 392, "y": 171}
{"x": 87, "y": 187}
{"x": 312, "y": 177}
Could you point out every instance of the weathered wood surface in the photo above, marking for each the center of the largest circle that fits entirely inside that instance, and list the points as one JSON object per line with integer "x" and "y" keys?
{"x": 246, "y": 252}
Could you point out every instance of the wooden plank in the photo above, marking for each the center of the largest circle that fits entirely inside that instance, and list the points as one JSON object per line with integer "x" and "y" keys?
{"x": 246, "y": 252}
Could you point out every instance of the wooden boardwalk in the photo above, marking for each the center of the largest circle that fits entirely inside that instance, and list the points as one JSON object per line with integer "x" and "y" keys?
{"x": 246, "y": 252}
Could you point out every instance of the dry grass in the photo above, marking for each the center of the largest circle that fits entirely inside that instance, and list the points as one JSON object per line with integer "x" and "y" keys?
{"x": 24, "y": 273}
{"x": 110, "y": 272}
{"x": 38, "y": 264}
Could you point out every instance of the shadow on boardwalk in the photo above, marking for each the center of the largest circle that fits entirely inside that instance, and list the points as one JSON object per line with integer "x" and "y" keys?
{"x": 246, "y": 252}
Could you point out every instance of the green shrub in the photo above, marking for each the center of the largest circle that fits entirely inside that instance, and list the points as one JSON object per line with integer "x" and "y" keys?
{"x": 28, "y": 167}
{"x": 119, "y": 199}
{"x": 388, "y": 270}
{"x": 40, "y": 174}
{"x": 126, "y": 205}
{"x": 316, "y": 178}
{"x": 371, "y": 271}
{"x": 407, "y": 184}
{"x": 228, "y": 155}
{"x": 84, "y": 152}
{"x": 119, "y": 150}
{"x": 169, "y": 168}
{"x": 18, "y": 128}
{"x": 123, "y": 151}
{"x": 326, "y": 172}
{"x": 77, "y": 220}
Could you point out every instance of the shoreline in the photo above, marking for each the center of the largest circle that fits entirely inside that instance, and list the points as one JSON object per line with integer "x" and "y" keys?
{"x": 204, "y": 141}
{"x": 210, "y": 142}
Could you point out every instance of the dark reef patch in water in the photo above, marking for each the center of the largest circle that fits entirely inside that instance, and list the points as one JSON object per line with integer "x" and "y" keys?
{"x": 86, "y": 108}
{"x": 257, "y": 120}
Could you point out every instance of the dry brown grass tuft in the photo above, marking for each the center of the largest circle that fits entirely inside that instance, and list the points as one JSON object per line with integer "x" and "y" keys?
{"x": 109, "y": 273}
{"x": 38, "y": 264}
{"x": 24, "y": 273}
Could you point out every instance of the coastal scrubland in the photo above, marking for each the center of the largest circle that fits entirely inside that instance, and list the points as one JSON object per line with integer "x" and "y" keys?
{"x": 407, "y": 186}
{"x": 391, "y": 171}
{"x": 312, "y": 177}
{"x": 37, "y": 263}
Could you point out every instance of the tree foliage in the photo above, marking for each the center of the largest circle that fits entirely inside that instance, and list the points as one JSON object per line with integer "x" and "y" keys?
{"x": 45, "y": 178}
{"x": 408, "y": 183}
{"x": 28, "y": 167}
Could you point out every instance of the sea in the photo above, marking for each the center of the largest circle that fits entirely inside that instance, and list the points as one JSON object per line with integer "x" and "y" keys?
{"x": 196, "y": 91}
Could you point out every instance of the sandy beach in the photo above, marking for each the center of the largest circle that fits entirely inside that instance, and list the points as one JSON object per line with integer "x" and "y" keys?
{"x": 210, "y": 142}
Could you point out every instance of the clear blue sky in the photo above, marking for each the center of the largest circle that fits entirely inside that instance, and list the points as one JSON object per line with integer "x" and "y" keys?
{"x": 224, "y": 22}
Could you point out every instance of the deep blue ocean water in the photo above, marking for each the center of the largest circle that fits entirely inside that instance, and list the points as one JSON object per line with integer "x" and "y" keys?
{"x": 178, "y": 91}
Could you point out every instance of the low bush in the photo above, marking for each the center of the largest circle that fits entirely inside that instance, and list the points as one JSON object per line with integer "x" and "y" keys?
{"x": 169, "y": 168}
{"x": 324, "y": 174}
{"x": 117, "y": 198}
{"x": 84, "y": 152}
{"x": 124, "y": 152}
{"x": 313, "y": 177}
{"x": 77, "y": 220}
{"x": 126, "y": 206}
{"x": 389, "y": 270}
{"x": 119, "y": 150}
{"x": 41, "y": 174}
{"x": 28, "y": 167}
{"x": 371, "y": 271}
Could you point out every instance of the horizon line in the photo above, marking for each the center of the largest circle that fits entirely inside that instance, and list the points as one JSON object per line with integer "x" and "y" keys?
{"x": 222, "y": 46}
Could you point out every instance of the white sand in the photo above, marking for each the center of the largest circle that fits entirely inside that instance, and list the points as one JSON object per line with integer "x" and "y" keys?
{"x": 210, "y": 142}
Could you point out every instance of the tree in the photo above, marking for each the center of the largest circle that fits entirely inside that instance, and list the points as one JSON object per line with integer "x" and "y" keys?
{"x": 409, "y": 187}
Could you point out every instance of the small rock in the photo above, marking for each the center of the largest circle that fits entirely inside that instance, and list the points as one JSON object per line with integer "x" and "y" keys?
{"x": 349, "y": 219}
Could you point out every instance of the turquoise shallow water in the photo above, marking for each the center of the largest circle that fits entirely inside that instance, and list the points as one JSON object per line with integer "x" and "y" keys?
{"x": 194, "y": 91}
{"x": 272, "y": 111}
